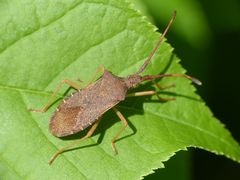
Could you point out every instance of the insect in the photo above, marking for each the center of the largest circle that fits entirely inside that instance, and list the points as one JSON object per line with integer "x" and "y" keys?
{"x": 86, "y": 107}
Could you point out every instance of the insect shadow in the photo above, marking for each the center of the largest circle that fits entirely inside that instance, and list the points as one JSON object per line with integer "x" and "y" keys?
{"x": 110, "y": 118}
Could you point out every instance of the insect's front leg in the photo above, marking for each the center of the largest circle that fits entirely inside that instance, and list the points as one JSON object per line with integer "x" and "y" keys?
{"x": 163, "y": 87}
{"x": 51, "y": 99}
{"x": 148, "y": 93}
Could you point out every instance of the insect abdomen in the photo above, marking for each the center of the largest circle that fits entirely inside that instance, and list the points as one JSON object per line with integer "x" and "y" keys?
{"x": 82, "y": 109}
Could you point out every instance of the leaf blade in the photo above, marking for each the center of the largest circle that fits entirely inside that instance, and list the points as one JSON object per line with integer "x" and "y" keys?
{"x": 33, "y": 65}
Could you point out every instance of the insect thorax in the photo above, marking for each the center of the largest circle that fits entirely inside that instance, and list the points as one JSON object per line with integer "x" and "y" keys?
{"x": 132, "y": 81}
{"x": 116, "y": 86}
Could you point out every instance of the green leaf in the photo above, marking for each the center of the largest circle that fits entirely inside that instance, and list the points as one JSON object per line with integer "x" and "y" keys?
{"x": 43, "y": 42}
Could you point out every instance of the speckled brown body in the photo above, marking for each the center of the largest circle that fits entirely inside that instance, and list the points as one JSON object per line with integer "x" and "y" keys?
{"x": 84, "y": 107}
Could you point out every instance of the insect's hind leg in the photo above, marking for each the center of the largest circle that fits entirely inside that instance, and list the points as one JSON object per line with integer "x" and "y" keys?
{"x": 51, "y": 99}
{"x": 125, "y": 124}
{"x": 68, "y": 147}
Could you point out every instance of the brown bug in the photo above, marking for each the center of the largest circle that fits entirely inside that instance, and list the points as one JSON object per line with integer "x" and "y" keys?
{"x": 86, "y": 107}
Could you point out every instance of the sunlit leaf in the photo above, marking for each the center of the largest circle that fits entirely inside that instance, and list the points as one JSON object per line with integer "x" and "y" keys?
{"x": 43, "y": 42}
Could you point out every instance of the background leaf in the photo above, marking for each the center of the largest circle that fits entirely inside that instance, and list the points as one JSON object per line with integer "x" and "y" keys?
{"x": 207, "y": 63}
{"x": 43, "y": 42}
{"x": 190, "y": 16}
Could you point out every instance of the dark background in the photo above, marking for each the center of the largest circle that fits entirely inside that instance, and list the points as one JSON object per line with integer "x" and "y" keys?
{"x": 206, "y": 37}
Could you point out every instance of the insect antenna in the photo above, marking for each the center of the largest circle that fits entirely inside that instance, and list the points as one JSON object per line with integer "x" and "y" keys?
{"x": 158, "y": 44}
{"x": 151, "y": 77}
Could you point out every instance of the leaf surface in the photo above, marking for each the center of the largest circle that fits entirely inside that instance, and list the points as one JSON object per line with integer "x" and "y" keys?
{"x": 43, "y": 42}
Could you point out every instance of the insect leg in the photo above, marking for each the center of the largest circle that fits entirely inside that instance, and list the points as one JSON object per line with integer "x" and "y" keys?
{"x": 125, "y": 123}
{"x": 147, "y": 93}
{"x": 142, "y": 93}
{"x": 51, "y": 99}
{"x": 163, "y": 87}
{"x": 99, "y": 70}
{"x": 68, "y": 147}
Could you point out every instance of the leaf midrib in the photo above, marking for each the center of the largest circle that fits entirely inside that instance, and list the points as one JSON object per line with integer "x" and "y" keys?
{"x": 40, "y": 92}
{"x": 20, "y": 90}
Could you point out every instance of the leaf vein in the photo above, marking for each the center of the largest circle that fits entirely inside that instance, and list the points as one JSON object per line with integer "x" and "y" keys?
{"x": 8, "y": 164}
{"x": 183, "y": 123}
{"x": 39, "y": 27}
